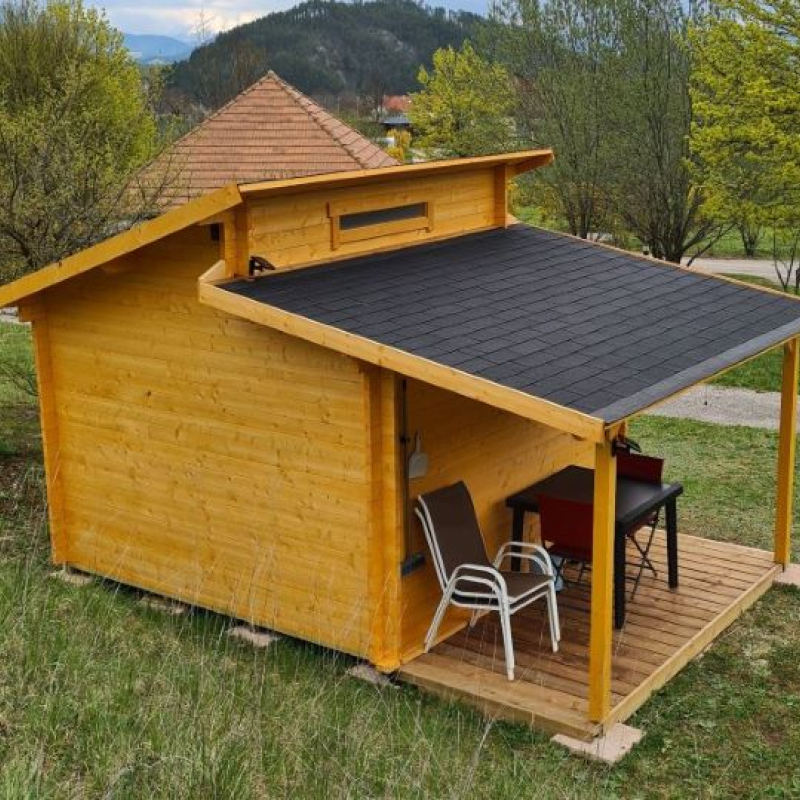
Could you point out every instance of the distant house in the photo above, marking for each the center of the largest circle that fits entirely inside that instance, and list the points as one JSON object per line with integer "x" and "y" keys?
{"x": 268, "y": 132}
{"x": 396, "y": 122}
{"x": 396, "y": 103}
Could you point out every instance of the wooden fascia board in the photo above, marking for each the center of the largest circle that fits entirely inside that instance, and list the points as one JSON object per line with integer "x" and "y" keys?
{"x": 540, "y": 160}
{"x": 422, "y": 369}
{"x": 611, "y": 427}
{"x": 123, "y": 243}
{"x": 519, "y": 162}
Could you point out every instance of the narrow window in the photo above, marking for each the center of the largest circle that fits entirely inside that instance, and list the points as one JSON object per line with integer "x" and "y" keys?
{"x": 362, "y": 220}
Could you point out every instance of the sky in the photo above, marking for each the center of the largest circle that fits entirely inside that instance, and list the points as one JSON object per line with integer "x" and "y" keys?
{"x": 179, "y": 18}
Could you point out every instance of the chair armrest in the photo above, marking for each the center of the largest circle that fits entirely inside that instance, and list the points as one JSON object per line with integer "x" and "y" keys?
{"x": 538, "y": 555}
{"x": 495, "y": 581}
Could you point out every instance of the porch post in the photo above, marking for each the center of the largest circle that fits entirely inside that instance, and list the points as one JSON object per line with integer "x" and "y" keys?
{"x": 786, "y": 451}
{"x": 600, "y": 636}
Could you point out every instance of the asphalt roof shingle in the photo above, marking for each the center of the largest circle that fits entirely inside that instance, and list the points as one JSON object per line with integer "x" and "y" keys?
{"x": 576, "y": 323}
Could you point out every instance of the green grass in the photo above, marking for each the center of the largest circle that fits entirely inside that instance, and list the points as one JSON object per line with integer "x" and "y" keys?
{"x": 18, "y": 415}
{"x": 100, "y": 697}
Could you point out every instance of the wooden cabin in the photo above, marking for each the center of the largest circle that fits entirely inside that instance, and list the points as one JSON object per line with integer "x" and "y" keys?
{"x": 228, "y": 393}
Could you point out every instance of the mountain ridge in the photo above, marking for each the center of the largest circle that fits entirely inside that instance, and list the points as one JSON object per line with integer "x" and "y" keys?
{"x": 325, "y": 47}
{"x": 148, "y": 48}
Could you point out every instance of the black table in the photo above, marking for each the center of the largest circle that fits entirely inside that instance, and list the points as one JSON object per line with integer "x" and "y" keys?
{"x": 636, "y": 500}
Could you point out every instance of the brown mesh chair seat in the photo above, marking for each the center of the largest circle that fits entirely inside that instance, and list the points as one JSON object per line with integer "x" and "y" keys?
{"x": 468, "y": 578}
{"x": 518, "y": 584}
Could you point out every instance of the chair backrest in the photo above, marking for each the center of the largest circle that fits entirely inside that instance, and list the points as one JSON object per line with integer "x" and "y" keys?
{"x": 451, "y": 528}
{"x": 640, "y": 467}
{"x": 566, "y": 526}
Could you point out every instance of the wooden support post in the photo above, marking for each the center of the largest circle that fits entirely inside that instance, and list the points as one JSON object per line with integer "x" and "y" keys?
{"x": 786, "y": 454}
{"x": 385, "y": 543}
{"x": 236, "y": 244}
{"x": 600, "y": 637}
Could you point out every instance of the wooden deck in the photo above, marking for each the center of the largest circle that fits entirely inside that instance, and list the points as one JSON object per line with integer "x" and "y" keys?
{"x": 664, "y": 630}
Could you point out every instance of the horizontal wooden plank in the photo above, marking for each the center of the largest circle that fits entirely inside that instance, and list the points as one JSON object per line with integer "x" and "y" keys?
{"x": 664, "y": 630}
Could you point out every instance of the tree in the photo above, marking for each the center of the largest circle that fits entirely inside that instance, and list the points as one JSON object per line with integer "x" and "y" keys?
{"x": 606, "y": 84}
{"x": 75, "y": 126}
{"x": 653, "y": 187}
{"x": 465, "y": 107}
{"x": 559, "y": 53}
{"x": 746, "y": 91}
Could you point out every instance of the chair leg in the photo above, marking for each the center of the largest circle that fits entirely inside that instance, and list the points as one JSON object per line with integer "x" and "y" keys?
{"x": 552, "y": 613}
{"x": 644, "y": 562}
{"x": 474, "y": 618}
{"x": 508, "y": 642}
{"x": 437, "y": 620}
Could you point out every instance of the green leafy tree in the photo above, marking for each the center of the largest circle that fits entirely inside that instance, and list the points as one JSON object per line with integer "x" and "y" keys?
{"x": 745, "y": 138}
{"x": 652, "y": 185}
{"x": 466, "y": 105}
{"x": 75, "y": 127}
{"x": 560, "y": 55}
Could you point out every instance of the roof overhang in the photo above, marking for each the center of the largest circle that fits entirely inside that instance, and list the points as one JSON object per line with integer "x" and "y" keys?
{"x": 531, "y": 335}
{"x": 516, "y": 163}
{"x": 121, "y": 245}
{"x": 215, "y": 203}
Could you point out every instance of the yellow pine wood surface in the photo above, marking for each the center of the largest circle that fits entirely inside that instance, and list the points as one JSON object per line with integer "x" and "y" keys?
{"x": 496, "y": 454}
{"x": 207, "y": 458}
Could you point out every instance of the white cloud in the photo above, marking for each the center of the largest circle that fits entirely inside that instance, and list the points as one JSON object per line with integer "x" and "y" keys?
{"x": 181, "y": 18}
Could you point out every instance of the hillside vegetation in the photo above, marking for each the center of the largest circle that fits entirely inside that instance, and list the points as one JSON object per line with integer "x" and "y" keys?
{"x": 320, "y": 47}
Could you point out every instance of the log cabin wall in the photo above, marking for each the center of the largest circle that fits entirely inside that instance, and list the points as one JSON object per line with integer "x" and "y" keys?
{"x": 299, "y": 229}
{"x": 206, "y": 458}
{"x": 496, "y": 454}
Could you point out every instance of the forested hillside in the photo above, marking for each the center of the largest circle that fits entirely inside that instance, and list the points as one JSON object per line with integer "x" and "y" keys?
{"x": 325, "y": 48}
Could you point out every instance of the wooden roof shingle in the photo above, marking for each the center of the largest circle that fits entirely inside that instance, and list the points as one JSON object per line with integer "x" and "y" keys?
{"x": 270, "y": 131}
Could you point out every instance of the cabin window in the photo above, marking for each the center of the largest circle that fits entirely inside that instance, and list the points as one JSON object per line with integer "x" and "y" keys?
{"x": 355, "y": 222}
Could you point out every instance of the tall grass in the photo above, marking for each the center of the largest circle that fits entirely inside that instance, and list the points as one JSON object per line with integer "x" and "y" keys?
{"x": 102, "y": 697}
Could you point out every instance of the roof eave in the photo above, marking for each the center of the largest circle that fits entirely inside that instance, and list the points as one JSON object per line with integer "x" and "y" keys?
{"x": 536, "y": 409}
{"x": 121, "y": 244}
{"x": 519, "y": 162}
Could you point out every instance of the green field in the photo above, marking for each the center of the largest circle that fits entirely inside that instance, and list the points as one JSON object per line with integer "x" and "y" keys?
{"x": 103, "y": 698}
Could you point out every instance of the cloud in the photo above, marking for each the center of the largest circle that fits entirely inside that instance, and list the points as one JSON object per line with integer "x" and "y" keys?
{"x": 181, "y": 18}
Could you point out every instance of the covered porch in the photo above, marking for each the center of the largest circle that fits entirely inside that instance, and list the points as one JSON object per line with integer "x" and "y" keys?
{"x": 524, "y": 352}
{"x": 664, "y": 630}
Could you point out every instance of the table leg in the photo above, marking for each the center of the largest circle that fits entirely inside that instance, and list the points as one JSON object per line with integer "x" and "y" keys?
{"x": 619, "y": 578}
{"x": 672, "y": 542}
{"x": 517, "y": 531}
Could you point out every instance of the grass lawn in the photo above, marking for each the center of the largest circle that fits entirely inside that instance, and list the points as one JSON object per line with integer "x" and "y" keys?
{"x": 100, "y": 697}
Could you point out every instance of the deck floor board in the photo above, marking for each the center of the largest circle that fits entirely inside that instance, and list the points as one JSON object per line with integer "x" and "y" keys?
{"x": 663, "y": 631}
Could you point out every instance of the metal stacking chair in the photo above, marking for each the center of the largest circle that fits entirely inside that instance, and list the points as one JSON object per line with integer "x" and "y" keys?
{"x": 567, "y": 525}
{"x": 650, "y": 470}
{"x": 567, "y": 528}
{"x": 468, "y": 578}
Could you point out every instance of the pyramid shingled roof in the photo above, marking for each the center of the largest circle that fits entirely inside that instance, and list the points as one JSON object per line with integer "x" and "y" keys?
{"x": 268, "y": 132}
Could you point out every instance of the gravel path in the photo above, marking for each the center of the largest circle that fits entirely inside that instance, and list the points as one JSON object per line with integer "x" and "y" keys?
{"x": 737, "y": 266}
{"x": 725, "y": 406}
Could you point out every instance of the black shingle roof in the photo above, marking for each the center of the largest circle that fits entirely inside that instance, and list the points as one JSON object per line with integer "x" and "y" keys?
{"x": 581, "y": 325}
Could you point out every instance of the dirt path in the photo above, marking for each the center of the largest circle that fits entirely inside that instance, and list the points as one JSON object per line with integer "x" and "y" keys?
{"x": 725, "y": 406}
